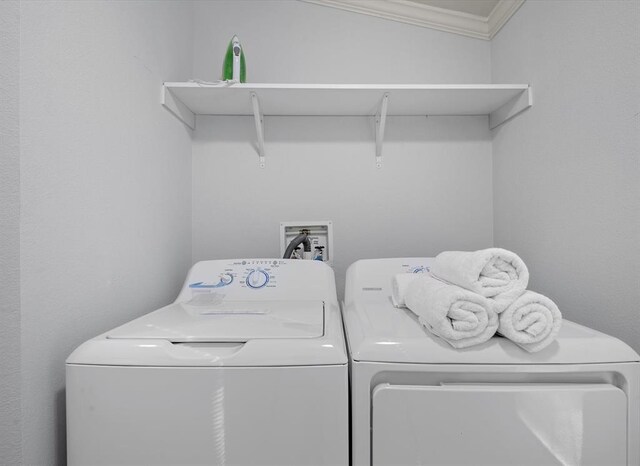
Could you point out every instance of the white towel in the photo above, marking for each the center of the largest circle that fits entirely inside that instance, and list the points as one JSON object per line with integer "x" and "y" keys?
{"x": 399, "y": 284}
{"x": 494, "y": 273}
{"x": 532, "y": 321}
{"x": 458, "y": 316}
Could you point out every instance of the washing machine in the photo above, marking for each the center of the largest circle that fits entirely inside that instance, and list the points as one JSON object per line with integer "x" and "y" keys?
{"x": 416, "y": 400}
{"x": 247, "y": 367}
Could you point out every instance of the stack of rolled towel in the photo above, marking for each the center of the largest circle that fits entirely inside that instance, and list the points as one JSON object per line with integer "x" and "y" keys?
{"x": 469, "y": 296}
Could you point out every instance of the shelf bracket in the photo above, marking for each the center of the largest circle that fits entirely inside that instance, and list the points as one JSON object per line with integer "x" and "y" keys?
{"x": 257, "y": 116}
{"x": 514, "y": 107}
{"x": 381, "y": 120}
{"x": 179, "y": 109}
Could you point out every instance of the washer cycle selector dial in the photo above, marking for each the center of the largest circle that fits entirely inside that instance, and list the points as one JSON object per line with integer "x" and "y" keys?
{"x": 257, "y": 278}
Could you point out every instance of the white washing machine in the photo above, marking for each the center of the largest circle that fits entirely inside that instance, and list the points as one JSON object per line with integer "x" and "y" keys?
{"x": 416, "y": 400}
{"x": 248, "y": 366}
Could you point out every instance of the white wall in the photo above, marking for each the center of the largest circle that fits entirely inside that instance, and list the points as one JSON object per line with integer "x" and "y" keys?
{"x": 105, "y": 185}
{"x": 434, "y": 191}
{"x": 9, "y": 234}
{"x": 105, "y": 173}
{"x": 567, "y": 172}
{"x": 289, "y": 41}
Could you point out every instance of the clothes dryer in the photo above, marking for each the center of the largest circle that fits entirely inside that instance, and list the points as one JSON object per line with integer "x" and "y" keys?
{"x": 417, "y": 400}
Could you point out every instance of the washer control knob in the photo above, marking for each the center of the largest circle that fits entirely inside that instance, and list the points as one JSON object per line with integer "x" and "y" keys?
{"x": 226, "y": 279}
{"x": 257, "y": 278}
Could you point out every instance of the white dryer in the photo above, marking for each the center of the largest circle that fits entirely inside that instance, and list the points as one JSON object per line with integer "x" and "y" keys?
{"x": 416, "y": 400}
{"x": 248, "y": 366}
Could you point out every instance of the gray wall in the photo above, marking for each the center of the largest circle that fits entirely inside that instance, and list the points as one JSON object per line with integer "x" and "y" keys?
{"x": 9, "y": 234}
{"x": 567, "y": 172}
{"x": 434, "y": 191}
{"x": 105, "y": 186}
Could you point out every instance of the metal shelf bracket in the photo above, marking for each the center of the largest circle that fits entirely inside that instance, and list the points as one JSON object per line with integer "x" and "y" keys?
{"x": 381, "y": 120}
{"x": 257, "y": 116}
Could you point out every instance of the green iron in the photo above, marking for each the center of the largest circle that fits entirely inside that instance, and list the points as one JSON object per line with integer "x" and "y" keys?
{"x": 234, "y": 68}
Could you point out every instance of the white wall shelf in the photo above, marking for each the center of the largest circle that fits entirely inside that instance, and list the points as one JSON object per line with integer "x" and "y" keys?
{"x": 500, "y": 102}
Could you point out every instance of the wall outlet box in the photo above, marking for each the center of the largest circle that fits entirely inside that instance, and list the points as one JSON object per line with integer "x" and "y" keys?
{"x": 320, "y": 234}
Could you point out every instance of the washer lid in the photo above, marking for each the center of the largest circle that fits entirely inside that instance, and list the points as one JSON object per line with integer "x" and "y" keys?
{"x": 227, "y": 321}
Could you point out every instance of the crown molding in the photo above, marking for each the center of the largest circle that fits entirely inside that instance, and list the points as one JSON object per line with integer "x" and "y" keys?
{"x": 442, "y": 19}
{"x": 501, "y": 13}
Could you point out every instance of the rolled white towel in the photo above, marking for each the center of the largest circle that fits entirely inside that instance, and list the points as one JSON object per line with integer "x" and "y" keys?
{"x": 458, "y": 316}
{"x": 494, "y": 273}
{"x": 399, "y": 284}
{"x": 532, "y": 321}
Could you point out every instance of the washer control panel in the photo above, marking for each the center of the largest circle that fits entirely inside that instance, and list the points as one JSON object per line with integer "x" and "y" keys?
{"x": 246, "y": 278}
{"x": 257, "y": 274}
{"x": 254, "y": 274}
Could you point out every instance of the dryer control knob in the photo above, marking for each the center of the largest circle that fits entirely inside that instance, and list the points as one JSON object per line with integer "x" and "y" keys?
{"x": 257, "y": 279}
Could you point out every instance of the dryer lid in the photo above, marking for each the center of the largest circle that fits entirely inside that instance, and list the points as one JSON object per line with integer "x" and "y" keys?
{"x": 379, "y": 332}
{"x": 227, "y": 321}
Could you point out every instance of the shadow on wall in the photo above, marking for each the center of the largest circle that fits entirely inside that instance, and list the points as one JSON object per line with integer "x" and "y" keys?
{"x": 317, "y": 129}
{"x": 61, "y": 427}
